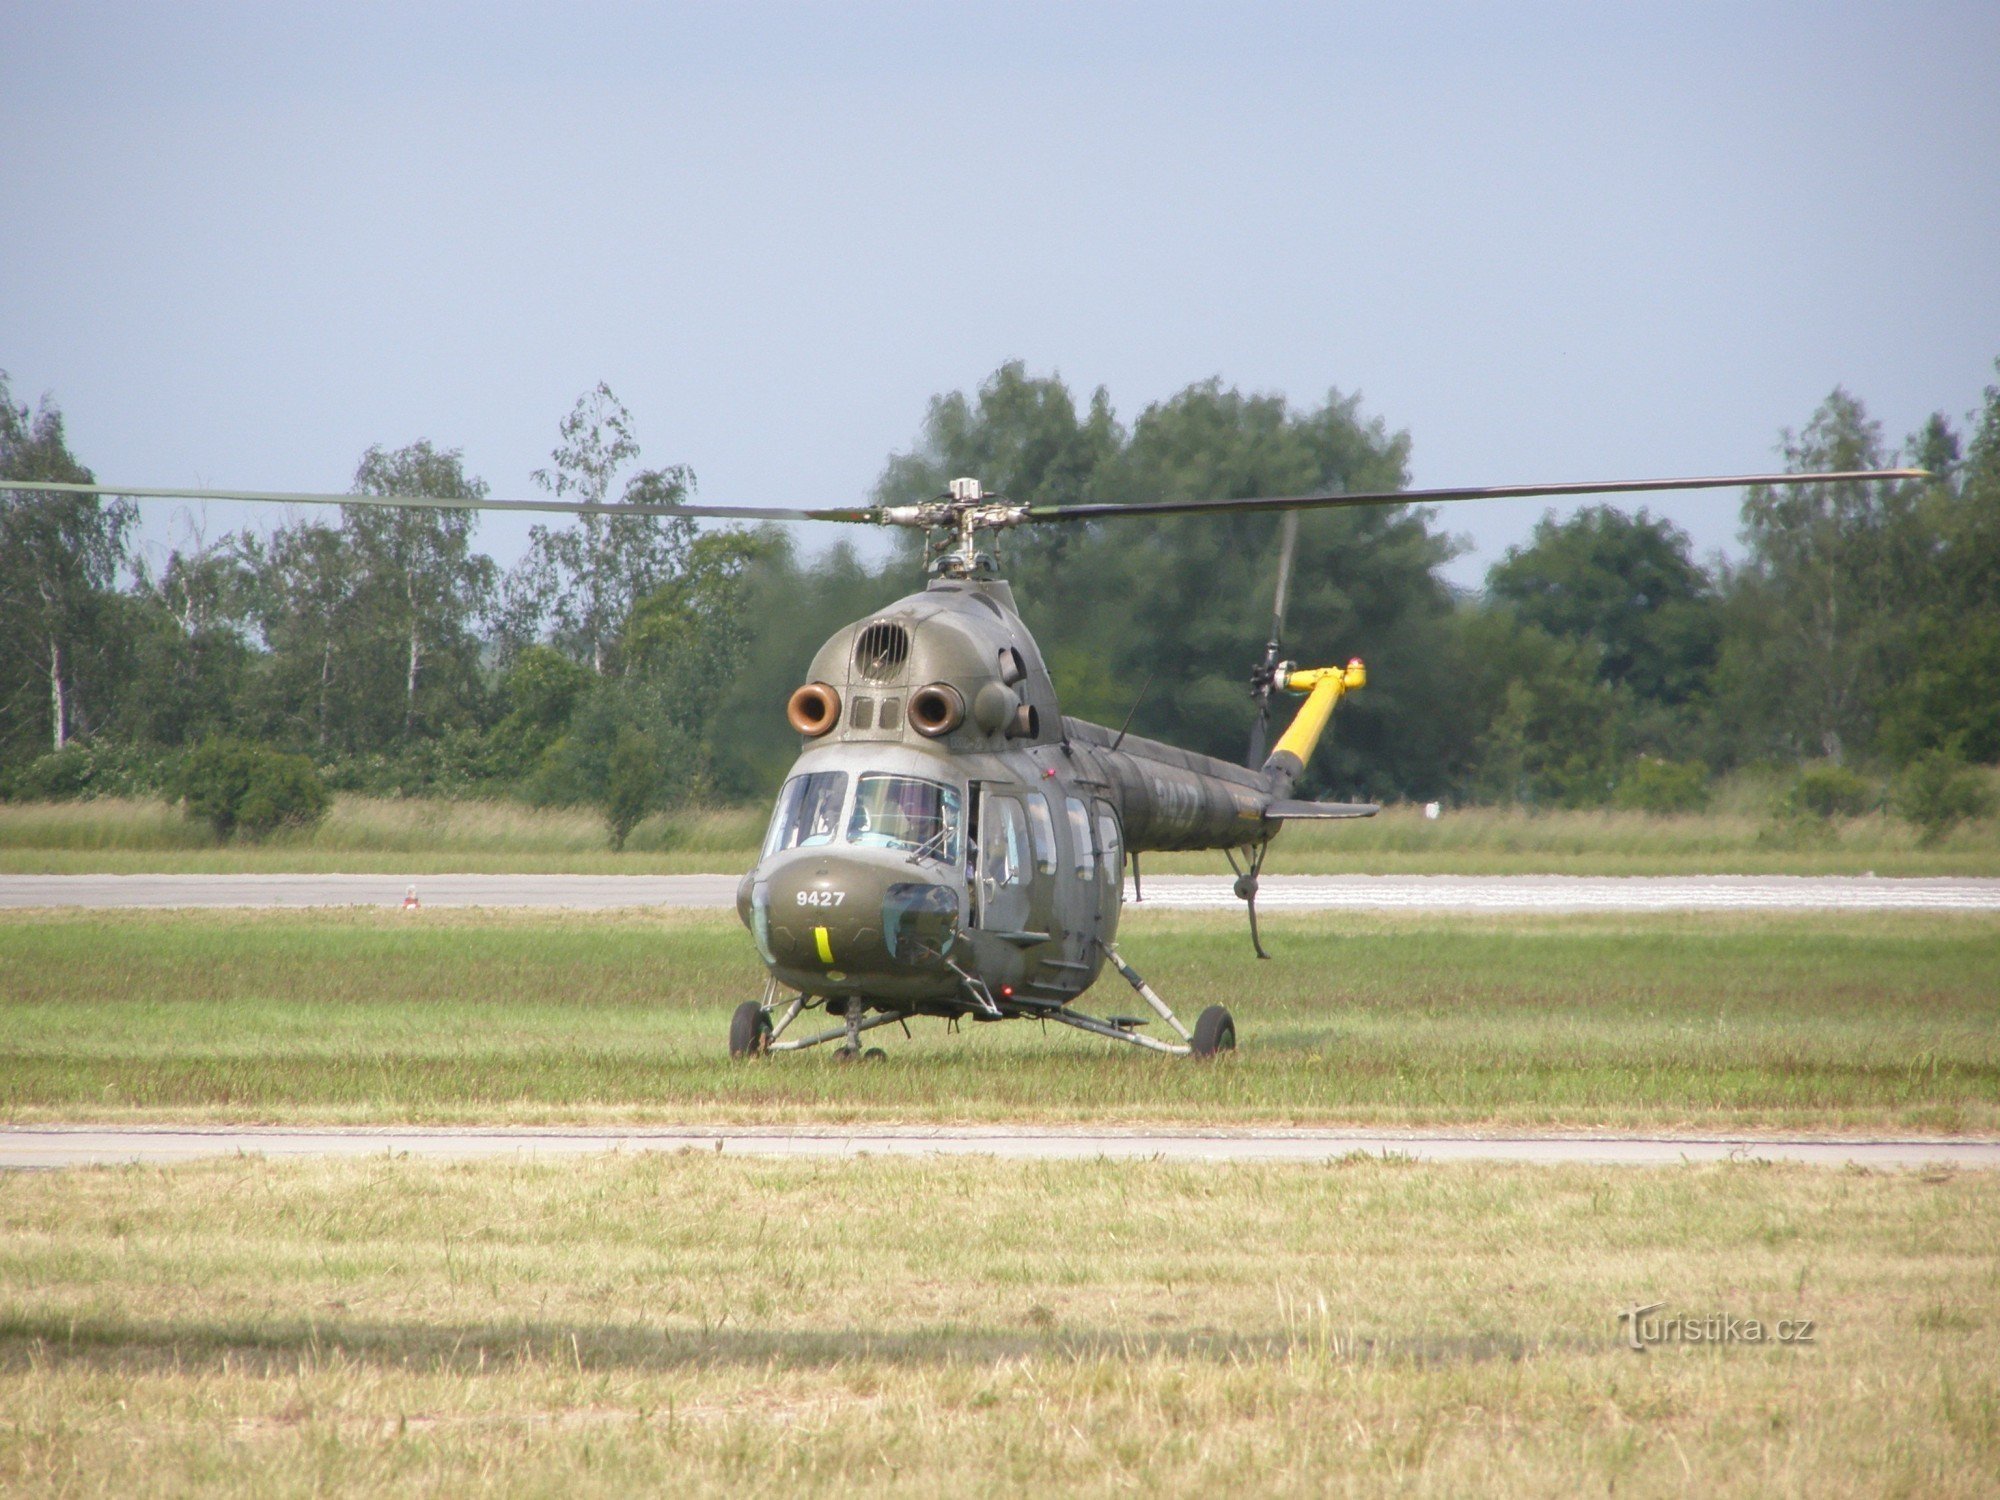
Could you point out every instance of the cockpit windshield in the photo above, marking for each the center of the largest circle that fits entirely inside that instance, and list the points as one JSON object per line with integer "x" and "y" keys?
{"x": 902, "y": 812}
{"x": 808, "y": 811}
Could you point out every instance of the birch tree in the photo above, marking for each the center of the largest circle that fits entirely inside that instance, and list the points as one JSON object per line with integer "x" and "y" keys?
{"x": 59, "y": 561}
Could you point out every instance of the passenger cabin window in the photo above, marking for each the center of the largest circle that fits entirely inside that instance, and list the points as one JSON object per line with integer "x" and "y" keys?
{"x": 1043, "y": 827}
{"x": 1108, "y": 844}
{"x": 904, "y": 812}
{"x": 1003, "y": 841}
{"x": 808, "y": 811}
{"x": 1079, "y": 840}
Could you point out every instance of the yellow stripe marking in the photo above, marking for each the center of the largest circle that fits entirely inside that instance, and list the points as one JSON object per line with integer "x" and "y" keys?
{"x": 825, "y": 947}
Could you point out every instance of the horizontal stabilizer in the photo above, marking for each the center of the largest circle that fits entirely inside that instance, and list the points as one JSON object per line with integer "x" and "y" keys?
{"x": 1284, "y": 809}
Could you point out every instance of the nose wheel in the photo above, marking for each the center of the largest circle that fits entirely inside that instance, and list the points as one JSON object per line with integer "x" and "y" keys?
{"x": 1214, "y": 1032}
{"x": 750, "y": 1030}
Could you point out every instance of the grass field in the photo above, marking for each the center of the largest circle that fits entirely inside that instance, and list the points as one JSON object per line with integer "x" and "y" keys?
{"x": 706, "y": 1325}
{"x": 1705, "y": 1022}
{"x": 419, "y": 837}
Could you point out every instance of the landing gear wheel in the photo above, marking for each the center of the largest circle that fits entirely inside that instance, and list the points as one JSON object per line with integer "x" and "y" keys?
{"x": 749, "y": 1030}
{"x": 874, "y": 1054}
{"x": 846, "y": 1054}
{"x": 1214, "y": 1032}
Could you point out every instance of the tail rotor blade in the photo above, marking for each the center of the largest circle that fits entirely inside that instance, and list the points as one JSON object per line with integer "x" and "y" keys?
{"x": 1288, "y": 544}
{"x": 1265, "y": 671}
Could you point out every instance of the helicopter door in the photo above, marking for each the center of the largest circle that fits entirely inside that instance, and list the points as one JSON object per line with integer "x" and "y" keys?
{"x": 1110, "y": 871}
{"x": 1084, "y": 904}
{"x": 1006, "y": 867}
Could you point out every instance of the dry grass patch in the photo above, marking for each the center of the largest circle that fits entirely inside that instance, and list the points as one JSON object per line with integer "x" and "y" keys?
{"x": 709, "y": 1324}
{"x": 419, "y": 836}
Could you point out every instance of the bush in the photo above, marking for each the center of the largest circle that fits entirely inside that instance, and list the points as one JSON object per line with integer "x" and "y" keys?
{"x": 1663, "y": 786}
{"x": 96, "y": 769}
{"x": 632, "y": 785}
{"x": 231, "y": 786}
{"x": 1938, "y": 790}
{"x": 1826, "y": 790}
{"x": 62, "y": 776}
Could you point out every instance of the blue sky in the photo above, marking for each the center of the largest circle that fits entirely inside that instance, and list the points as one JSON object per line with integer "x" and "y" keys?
{"x": 241, "y": 243}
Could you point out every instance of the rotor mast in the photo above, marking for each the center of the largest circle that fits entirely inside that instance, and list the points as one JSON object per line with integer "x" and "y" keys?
{"x": 965, "y": 510}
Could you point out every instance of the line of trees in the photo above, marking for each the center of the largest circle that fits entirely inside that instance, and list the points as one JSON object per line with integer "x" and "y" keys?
{"x": 635, "y": 662}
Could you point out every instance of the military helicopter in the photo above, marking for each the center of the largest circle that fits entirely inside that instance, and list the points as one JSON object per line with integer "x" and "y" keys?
{"x": 949, "y": 844}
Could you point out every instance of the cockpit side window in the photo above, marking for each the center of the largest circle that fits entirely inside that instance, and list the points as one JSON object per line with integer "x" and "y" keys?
{"x": 1081, "y": 854}
{"x": 1043, "y": 827}
{"x": 906, "y": 812}
{"x": 808, "y": 811}
{"x": 1004, "y": 840}
{"x": 1109, "y": 846}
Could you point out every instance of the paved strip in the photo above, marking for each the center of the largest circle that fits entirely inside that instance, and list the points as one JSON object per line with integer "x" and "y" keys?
{"x": 1479, "y": 893}
{"x": 1582, "y": 893}
{"x": 593, "y": 892}
{"x": 89, "y": 1145}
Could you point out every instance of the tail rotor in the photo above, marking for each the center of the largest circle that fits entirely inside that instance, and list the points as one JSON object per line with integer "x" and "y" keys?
{"x": 1265, "y": 672}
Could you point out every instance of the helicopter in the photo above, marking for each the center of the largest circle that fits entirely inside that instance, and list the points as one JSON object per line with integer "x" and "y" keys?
{"x": 948, "y": 843}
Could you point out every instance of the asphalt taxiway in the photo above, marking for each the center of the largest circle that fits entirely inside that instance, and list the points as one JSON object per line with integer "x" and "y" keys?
{"x": 1442, "y": 893}
{"x": 30, "y": 1147}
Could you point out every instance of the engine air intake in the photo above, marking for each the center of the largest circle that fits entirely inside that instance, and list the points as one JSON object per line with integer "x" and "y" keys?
{"x": 881, "y": 651}
{"x": 813, "y": 709}
{"x": 936, "y": 709}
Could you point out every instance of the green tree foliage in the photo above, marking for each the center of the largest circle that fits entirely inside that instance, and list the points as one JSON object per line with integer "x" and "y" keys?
{"x": 1626, "y": 584}
{"x": 580, "y": 582}
{"x": 1819, "y": 626}
{"x": 372, "y": 625}
{"x": 680, "y": 650}
{"x": 1555, "y": 736}
{"x": 60, "y": 653}
{"x": 425, "y": 590}
{"x": 1952, "y": 692}
{"x": 1602, "y": 663}
{"x": 192, "y": 656}
{"x": 249, "y": 789}
{"x": 309, "y": 609}
{"x": 541, "y": 693}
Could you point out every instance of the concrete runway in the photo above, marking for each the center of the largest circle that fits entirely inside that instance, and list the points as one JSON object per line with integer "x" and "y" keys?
{"x": 30, "y": 1147}
{"x": 1483, "y": 893}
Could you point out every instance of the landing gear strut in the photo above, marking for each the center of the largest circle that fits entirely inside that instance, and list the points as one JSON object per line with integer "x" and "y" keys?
{"x": 1246, "y": 885}
{"x": 754, "y": 1033}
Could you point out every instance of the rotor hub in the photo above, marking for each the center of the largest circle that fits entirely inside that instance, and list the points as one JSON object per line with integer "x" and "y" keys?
{"x": 965, "y": 510}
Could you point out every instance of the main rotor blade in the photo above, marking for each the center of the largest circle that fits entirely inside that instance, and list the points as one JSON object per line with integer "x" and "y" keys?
{"x": 450, "y": 502}
{"x": 1100, "y": 512}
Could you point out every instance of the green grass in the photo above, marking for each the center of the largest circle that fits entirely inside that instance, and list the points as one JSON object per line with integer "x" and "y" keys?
{"x": 422, "y": 837}
{"x": 1704, "y": 1022}
{"x": 705, "y": 1325}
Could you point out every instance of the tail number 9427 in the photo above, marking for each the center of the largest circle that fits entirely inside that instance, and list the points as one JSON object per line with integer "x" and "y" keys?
{"x": 821, "y": 898}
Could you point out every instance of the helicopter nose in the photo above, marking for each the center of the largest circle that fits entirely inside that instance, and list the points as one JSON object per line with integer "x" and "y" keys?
{"x": 839, "y": 914}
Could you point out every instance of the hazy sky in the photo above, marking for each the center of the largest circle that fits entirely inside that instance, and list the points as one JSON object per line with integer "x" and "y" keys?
{"x": 239, "y": 244}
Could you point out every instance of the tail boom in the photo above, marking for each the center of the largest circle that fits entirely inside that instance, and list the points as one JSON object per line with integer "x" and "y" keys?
{"x": 1323, "y": 687}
